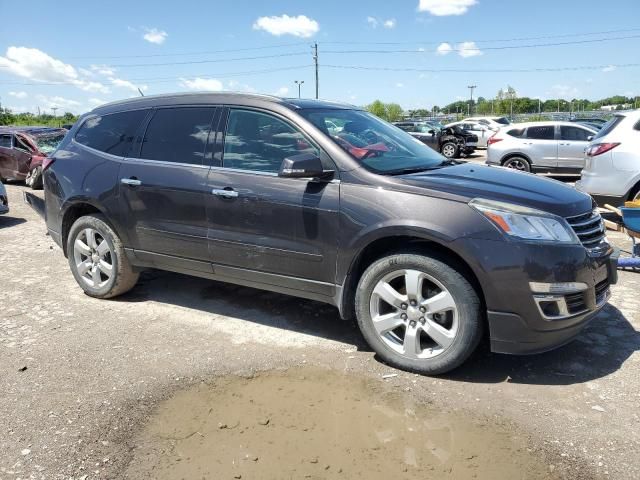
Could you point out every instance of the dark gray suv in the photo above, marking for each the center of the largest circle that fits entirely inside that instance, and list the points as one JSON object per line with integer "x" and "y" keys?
{"x": 327, "y": 202}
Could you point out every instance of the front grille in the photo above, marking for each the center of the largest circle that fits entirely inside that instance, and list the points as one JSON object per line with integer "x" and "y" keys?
{"x": 589, "y": 228}
{"x": 575, "y": 302}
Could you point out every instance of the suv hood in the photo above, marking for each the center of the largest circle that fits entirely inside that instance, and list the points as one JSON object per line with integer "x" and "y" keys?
{"x": 471, "y": 181}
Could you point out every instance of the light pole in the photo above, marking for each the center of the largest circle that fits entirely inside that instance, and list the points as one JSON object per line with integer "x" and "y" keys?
{"x": 471, "y": 87}
{"x": 299, "y": 83}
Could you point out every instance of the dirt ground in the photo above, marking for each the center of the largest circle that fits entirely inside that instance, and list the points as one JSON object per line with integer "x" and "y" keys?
{"x": 100, "y": 389}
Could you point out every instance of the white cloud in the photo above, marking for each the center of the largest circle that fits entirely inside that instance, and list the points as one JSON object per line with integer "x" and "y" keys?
{"x": 609, "y": 68}
{"x": 391, "y": 23}
{"x": 468, "y": 49}
{"x": 121, "y": 83}
{"x": 237, "y": 86}
{"x": 300, "y": 26}
{"x": 373, "y": 22}
{"x": 198, "y": 83}
{"x": 36, "y": 65}
{"x": 94, "y": 102}
{"x": 103, "y": 69}
{"x": 18, "y": 94}
{"x": 282, "y": 91}
{"x": 62, "y": 103}
{"x": 444, "y": 49}
{"x": 563, "y": 91}
{"x": 400, "y": 85}
{"x": 442, "y": 8}
{"x": 153, "y": 35}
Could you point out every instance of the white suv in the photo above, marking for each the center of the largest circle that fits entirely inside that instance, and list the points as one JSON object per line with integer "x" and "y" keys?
{"x": 612, "y": 168}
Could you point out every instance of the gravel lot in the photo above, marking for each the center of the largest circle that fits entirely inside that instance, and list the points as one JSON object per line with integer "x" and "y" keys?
{"x": 79, "y": 378}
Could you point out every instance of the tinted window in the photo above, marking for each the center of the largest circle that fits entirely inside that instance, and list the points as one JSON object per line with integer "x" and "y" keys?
{"x": 544, "y": 132}
{"x": 516, "y": 132}
{"x": 5, "y": 141}
{"x": 609, "y": 126}
{"x": 574, "y": 133}
{"x": 503, "y": 121}
{"x": 257, "y": 141}
{"x": 178, "y": 135}
{"x": 112, "y": 133}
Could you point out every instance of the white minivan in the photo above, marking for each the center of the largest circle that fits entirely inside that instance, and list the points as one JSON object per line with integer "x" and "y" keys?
{"x": 612, "y": 166}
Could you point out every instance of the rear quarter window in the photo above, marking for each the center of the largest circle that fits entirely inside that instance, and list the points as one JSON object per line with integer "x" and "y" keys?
{"x": 542, "y": 132}
{"x": 609, "y": 126}
{"x": 516, "y": 132}
{"x": 112, "y": 133}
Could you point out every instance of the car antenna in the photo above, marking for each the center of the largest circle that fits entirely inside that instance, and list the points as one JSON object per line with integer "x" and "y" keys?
{"x": 141, "y": 94}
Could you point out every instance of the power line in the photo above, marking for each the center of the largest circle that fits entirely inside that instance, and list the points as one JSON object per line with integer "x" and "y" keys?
{"x": 497, "y": 70}
{"x": 205, "y": 52}
{"x": 198, "y": 62}
{"x": 503, "y": 47}
{"x": 433, "y": 42}
{"x": 174, "y": 78}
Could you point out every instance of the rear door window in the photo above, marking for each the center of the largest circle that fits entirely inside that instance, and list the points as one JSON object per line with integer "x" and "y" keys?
{"x": 542, "y": 132}
{"x": 575, "y": 134}
{"x": 178, "y": 135}
{"x": 516, "y": 132}
{"x": 112, "y": 133}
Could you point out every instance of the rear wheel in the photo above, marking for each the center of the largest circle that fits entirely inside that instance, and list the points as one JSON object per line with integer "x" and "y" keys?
{"x": 450, "y": 150}
{"x": 97, "y": 258}
{"x": 34, "y": 178}
{"x": 517, "y": 163}
{"x": 418, "y": 313}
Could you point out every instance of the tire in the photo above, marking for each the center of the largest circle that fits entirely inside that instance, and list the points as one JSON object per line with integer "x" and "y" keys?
{"x": 89, "y": 260}
{"x": 457, "y": 313}
{"x": 517, "y": 163}
{"x": 450, "y": 150}
{"x": 34, "y": 178}
{"x": 634, "y": 194}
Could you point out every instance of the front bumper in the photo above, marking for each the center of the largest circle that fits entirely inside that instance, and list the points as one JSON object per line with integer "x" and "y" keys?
{"x": 519, "y": 322}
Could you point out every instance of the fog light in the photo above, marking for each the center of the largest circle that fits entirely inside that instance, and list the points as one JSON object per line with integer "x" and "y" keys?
{"x": 561, "y": 288}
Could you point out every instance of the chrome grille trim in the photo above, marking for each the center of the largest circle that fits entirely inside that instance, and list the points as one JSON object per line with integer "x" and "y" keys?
{"x": 589, "y": 228}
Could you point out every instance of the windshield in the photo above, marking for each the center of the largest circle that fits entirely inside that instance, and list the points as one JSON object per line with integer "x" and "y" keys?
{"x": 503, "y": 121}
{"x": 374, "y": 143}
{"x": 49, "y": 143}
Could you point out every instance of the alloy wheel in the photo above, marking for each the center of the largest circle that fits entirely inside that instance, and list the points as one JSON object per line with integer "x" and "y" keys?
{"x": 517, "y": 164}
{"x": 448, "y": 151}
{"x": 93, "y": 258}
{"x": 414, "y": 314}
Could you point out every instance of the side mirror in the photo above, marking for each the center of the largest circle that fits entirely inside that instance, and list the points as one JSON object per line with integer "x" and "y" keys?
{"x": 305, "y": 165}
{"x": 589, "y": 138}
{"x": 432, "y": 132}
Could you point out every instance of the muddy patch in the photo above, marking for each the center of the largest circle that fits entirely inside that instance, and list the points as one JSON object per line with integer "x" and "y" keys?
{"x": 318, "y": 424}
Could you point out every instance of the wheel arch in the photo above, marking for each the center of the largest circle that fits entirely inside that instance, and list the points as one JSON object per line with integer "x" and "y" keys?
{"x": 71, "y": 212}
{"x": 515, "y": 154}
{"x": 402, "y": 242}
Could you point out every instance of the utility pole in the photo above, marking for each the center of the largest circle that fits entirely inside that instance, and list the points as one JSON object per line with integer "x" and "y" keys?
{"x": 54, "y": 113}
{"x": 558, "y": 105}
{"x": 315, "y": 60}
{"x": 471, "y": 87}
{"x": 539, "y": 110}
{"x": 299, "y": 83}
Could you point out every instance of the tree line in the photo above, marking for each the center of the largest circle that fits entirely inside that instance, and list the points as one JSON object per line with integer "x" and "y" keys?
{"x": 506, "y": 102}
{"x": 7, "y": 117}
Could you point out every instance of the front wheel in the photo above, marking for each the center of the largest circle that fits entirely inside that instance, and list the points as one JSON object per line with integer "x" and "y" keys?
{"x": 97, "y": 258}
{"x": 418, "y": 313}
{"x": 450, "y": 150}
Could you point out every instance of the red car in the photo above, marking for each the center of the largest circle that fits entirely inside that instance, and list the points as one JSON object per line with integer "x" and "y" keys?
{"x": 23, "y": 149}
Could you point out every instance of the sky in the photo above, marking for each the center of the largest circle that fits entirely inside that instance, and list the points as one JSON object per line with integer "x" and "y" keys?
{"x": 76, "y": 55}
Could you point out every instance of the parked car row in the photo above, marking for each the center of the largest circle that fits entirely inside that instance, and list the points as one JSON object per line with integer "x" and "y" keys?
{"x": 328, "y": 202}
{"x": 23, "y": 150}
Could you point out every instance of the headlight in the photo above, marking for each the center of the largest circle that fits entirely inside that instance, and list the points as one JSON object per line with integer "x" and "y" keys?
{"x": 525, "y": 223}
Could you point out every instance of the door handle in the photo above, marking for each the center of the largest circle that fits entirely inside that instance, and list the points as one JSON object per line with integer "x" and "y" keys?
{"x": 132, "y": 182}
{"x": 224, "y": 193}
